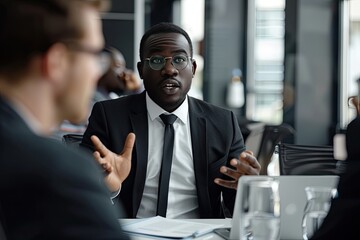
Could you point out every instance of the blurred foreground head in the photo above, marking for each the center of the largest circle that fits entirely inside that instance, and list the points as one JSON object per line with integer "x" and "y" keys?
{"x": 50, "y": 52}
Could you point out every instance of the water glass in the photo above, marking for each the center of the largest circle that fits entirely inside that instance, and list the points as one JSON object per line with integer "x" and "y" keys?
{"x": 316, "y": 208}
{"x": 260, "y": 213}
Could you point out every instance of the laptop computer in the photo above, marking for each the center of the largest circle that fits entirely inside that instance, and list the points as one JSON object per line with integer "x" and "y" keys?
{"x": 292, "y": 203}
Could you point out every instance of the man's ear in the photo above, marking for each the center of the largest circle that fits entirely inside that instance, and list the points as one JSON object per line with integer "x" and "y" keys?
{"x": 194, "y": 66}
{"x": 55, "y": 63}
{"x": 140, "y": 66}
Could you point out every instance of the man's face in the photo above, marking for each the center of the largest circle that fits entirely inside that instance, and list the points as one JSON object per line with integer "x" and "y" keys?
{"x": 167, "y": 86}
{"x": 84, "y": 70}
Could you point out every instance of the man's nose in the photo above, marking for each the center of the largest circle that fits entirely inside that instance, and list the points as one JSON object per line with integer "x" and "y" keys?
{"x": 169, "y": 68}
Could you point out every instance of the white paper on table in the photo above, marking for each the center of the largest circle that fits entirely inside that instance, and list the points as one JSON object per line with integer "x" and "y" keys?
{"x": 170, "y": 228}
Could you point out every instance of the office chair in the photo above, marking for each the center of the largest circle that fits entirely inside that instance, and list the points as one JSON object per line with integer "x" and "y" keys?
{"x": 262, "y": 142}
{"x": 2, "y": 225}
{"x": 307, "y": 160}
{"x": 2, "y": 233}
{"x": 72, "y": 140}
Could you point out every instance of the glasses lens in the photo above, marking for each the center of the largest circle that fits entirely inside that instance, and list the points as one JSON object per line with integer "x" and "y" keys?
{"x": 157, "y": 62}
{"x": 180, "y": 62}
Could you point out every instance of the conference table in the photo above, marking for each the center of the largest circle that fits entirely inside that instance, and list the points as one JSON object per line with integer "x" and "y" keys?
{"x": 292, "y": 204}
{"x": 209, "y": 236}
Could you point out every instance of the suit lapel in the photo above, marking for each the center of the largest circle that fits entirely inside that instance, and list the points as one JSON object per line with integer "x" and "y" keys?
{"x": 138, "y": 118}
{"x": 198, "y": 127}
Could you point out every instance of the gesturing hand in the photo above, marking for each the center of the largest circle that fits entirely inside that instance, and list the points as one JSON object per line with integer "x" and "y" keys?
{"x": 247, "y": 164}
{"x": 116, "y": 166}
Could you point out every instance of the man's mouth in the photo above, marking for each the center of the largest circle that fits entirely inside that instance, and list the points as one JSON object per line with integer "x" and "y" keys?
{"x": 170, "y": 83}
{"x": 170, "y": 86}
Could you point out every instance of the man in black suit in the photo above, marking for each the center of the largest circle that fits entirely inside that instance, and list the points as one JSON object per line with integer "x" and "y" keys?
{"x": 49, "y": 66}
{"x": 209, "y": 152}
{"x": 343, "y": 219}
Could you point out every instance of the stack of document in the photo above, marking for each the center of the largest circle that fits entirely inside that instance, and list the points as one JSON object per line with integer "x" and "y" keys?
{"x": 160, "y": 227}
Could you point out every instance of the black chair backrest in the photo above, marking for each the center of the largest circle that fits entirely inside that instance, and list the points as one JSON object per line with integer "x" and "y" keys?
{"x": 307, "y": 160}
{"x": 2, "y": 233}
{"x": 272, "y": 135}
{"x": 72, "y": 140}
{"x": 2, "y": 226}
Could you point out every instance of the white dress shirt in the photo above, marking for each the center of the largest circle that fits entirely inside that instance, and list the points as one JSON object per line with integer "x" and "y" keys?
{"x": 182, "y": 197}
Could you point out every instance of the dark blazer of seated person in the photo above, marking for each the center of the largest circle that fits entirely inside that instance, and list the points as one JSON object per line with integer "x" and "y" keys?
{"x": 216, "y": 138}
{"x": 343, "y": 219}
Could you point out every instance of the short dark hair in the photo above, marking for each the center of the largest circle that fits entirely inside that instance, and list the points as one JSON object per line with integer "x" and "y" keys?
{"x": 31, "y": 27}
{"x": 163, "y": 27}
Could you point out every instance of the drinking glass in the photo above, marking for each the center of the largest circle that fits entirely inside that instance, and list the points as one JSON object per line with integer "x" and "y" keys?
{"x": 260, "y": 213}
{"x": 316, "y": 208}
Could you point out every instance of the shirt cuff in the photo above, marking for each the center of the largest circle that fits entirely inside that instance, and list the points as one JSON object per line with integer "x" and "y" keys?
{"x": 115, "y": 194}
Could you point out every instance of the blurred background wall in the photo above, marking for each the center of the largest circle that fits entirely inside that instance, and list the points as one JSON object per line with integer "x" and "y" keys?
{"x": 296, "y": 59}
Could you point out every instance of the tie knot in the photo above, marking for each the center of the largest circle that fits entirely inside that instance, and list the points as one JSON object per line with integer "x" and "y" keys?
{"x": 168, "y": 119}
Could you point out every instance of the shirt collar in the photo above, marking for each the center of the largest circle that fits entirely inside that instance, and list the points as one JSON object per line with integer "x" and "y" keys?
{"x": 155, "y": 110}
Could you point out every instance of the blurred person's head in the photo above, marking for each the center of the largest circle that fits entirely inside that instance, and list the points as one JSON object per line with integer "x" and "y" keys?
{"x": 111, "y": 80}
{"x": 118, "y": 78}
{"x": 166, "y": 65}
{"x": 50, "y": 55}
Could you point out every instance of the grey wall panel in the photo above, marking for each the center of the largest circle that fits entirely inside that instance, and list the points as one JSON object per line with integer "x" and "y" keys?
{"x": 224, "y": 46}
{"x": 120, "y": 34}
{"x": 311, "y": 68}
{"x": 122, "y": 6}
{"x": 315, "y": 61}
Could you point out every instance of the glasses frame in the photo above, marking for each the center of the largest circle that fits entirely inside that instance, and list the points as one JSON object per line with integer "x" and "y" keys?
{"x": 189, "y": 59}
{"x": 103, "y": 57}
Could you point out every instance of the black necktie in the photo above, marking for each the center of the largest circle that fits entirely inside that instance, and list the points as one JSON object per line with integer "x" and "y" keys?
{"x": 166, "y": 163}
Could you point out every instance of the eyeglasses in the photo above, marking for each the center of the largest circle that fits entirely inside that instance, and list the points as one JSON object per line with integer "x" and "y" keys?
{"x": 158, "y": 62}
{"x": 103, "y": 57}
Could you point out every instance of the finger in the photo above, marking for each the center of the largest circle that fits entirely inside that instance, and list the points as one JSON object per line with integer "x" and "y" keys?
{"x": 244, "y": 167}
{"x": 104, "y": 165}
{"x": 99, "y": 146}
{"x": 226, "y": 183}
{"x": 107, "y": 167}
{"x": 129, "y": 145}
{"x": 233, "y": 173}
{"x": 98, "y": 158}
{"x": 250, "y": 158}
{"x": 249, "y": 152}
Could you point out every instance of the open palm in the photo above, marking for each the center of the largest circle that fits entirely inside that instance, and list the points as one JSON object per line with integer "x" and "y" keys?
{"x": 116, "y": 166}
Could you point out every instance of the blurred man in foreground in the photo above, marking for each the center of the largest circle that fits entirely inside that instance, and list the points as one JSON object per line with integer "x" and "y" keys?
{"x": 117, "y": 81}
{"x": 49, "y": 66}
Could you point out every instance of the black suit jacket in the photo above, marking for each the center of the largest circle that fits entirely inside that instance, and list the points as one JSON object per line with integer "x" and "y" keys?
{"x": 216, "y": 138}
{"x": 49, "y": 191}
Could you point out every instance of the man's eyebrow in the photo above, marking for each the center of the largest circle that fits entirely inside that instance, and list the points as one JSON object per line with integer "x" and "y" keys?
{"x": 180, "y": 51}
{"x": 156, "y": 50}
